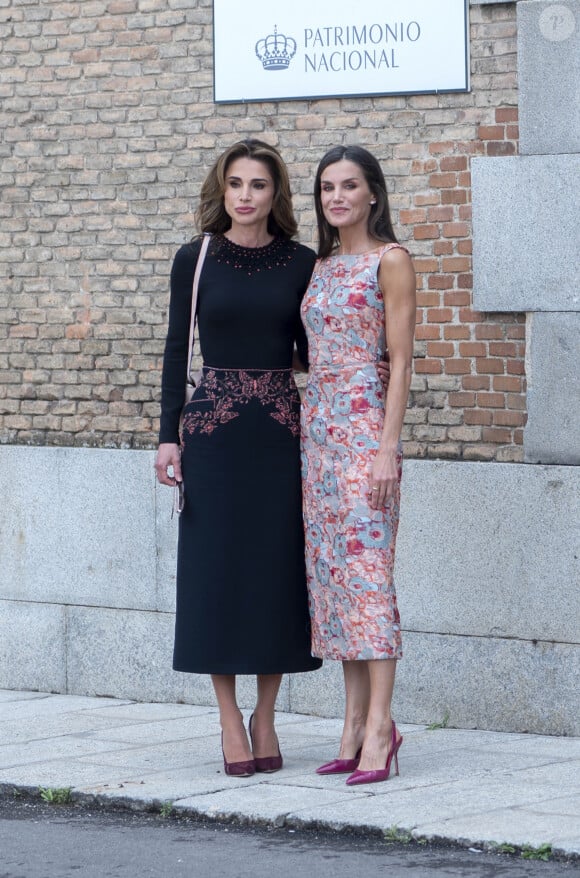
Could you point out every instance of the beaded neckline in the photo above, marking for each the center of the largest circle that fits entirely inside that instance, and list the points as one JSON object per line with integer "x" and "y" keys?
{"x": 252, "y": 260}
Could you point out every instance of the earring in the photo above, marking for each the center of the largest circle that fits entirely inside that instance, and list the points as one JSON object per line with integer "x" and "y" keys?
{"x": 374, "y": 201}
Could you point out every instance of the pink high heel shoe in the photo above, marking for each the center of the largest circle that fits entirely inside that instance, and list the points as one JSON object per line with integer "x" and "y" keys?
{"x": 340, "y": 766}
{"x": 379, "y": 774}
{"x": 265, "y": 764}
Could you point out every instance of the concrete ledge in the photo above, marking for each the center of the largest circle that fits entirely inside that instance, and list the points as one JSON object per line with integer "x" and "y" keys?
{"x": 490, "y": 549}
{"x": 487, "y": 682}
{"x": 81, "y": 528}
{"x": 526, "y": 235}
{"x": 487, "y": 571}
{"x": 552, "y": 433}
{"x": 32, "y": 646}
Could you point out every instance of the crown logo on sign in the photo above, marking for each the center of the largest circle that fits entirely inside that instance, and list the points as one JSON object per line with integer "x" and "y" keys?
{"x": 276, "y": 51}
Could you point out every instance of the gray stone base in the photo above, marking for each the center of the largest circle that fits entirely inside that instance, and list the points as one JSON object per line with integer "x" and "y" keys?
{"x": 552, "y": 433}
{"x": 487, "y": 576}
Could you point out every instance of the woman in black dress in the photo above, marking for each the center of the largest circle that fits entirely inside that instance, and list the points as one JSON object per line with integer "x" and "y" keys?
{"x": 241, "y": 590}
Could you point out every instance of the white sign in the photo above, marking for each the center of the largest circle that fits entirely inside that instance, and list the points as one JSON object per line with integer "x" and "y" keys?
{"x": 269, "y": 50}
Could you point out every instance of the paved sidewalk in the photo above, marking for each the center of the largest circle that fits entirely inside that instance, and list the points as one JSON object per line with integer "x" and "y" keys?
{"x": 471, "y": 787}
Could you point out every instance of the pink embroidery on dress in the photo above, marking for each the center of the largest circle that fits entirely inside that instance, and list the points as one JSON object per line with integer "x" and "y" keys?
{"x": 229, "y": 390}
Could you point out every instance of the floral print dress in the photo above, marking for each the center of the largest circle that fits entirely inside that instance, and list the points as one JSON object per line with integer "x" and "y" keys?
{"x": 350, "y": 547}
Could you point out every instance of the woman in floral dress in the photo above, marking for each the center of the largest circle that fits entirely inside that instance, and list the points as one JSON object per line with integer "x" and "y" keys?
{"x": 362, "y": 293}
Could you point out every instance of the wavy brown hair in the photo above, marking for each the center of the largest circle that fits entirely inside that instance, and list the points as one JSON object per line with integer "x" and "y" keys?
{"x": 379, "y": 226}
{"x": 211, "y": 215}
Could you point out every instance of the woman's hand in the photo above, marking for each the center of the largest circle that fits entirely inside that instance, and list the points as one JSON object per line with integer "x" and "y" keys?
{"x": 384, "y": 478}
{"x": 168, "y": 455}
{"x": 384, "y": 370}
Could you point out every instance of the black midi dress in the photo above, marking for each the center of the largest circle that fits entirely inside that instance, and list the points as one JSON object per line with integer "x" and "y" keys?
{"x": 242, "y": 605}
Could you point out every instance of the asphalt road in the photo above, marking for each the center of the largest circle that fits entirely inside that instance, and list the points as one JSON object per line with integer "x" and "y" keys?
{"x": 53, "y": 841}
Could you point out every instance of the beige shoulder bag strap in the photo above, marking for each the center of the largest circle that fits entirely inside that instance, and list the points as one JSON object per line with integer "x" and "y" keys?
{"x": 190, "y": 382}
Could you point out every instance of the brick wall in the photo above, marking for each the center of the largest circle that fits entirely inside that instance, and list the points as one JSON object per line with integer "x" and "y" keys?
{"x": 107, "y": 127}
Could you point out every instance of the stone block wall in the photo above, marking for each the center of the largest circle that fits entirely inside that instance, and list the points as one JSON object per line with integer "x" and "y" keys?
{"x": 486, "y": 578}
{"x": 107, "y": 128}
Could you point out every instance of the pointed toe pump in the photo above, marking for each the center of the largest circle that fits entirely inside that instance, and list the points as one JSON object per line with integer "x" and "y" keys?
{"x": 379, "y": 774}
{"x": 340, "y": 766}
{"x": 238, "y": 769}
{"x": 265, "y": 764}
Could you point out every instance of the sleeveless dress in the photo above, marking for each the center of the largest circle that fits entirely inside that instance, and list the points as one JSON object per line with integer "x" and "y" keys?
{"x": 242, "y": 603}
{"x": 350, "y": 547}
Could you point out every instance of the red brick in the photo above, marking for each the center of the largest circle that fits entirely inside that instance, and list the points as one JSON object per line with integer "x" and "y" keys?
{"x": 476, "y": 417}
{"x": 439, "y": 349}
{"x": 440, "y": 282}
{"x": 476, "y": 382}
{"x": 515, "y": 367}
{"x": 439, "y": 315}
{"x": 518, "y": 332}
{"x": 454, "y": 196}
{"x": 509, "y": 419}
{"x": 409, "y": 217}
{"x": 464, "y": 179}
{"x": 427, "y": 198}
{"x": 425, "y": 265}
{"x": 461, "y": 399}
{"x": 466, "y": 315}
{"x": 465, "y": 247}
{"x": 457, "y": 298}
{"x": 438, "y": 148}
{"x": 490, "y": 132}
{"x": 512, "y": 132}
{"x": 472, "y": 147}
{"x": 456, "y": 264}
{"x": 486, "y": 365}
{"x": 427, "y": 367}
{"x": 488, "y": 331}
{"x": 507, "y": 383}
{"x": 427, "y": 332}
{"x": 441, "y": 248}
{"x": 465, "y": 211}
{"x": 428, "y": 300}
{"x": 465, "y": 280}
{"x": 443, "y": 181}
{"x": 425, "y": 232}
{"x": 491, "y": 400}
{"x": 453, "y": 163}
{"x": 456, "y": 230}
{"x": 457, "y": 366}
{"x": 519, "y": 437}
{"x": 456, "y": 331}
{"x": 440, "y": 214}
{"x": 502, "y": 349}
{"x": 498, "y": 435}
{"x": 418, "y": 167}
{"x": 472, "y": 349}
{"x": 506, "y": 114}
{"x": 499, "y": 149}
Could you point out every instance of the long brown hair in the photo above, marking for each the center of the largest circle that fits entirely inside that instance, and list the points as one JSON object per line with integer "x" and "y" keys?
{"x": 379, "y": 226}
{"x": 211, "y": 215}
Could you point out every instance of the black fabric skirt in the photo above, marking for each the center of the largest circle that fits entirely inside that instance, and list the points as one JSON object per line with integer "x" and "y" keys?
{"x": 242, "y": 605}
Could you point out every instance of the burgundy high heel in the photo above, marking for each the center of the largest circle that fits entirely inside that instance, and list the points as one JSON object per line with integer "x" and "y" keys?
{"x": 340, "y": 766}
{"x": 238, "y": 769}
{"x": 379, "y": 774}
{"x": 265, "y": 764}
